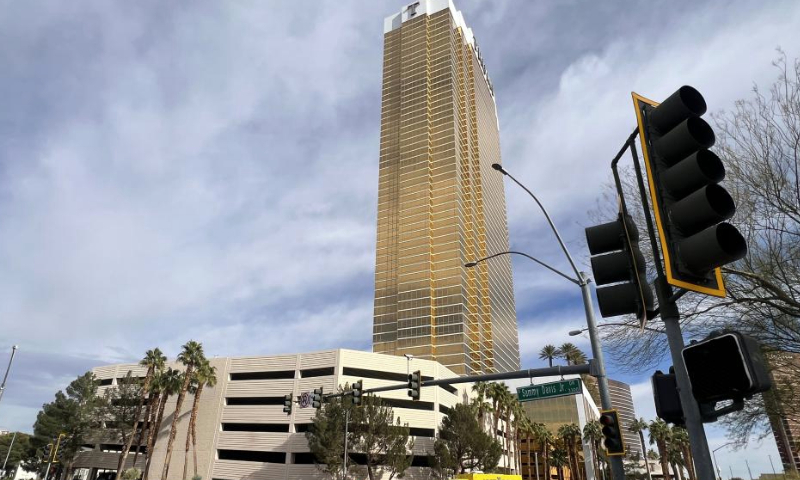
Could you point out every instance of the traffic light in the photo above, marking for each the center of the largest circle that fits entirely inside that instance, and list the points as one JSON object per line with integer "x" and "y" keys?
{"x": 414, "y": 385}
{"x": 57, "y": 450}
{"x": 666, "y": 397}
{"x": 357, "y": 390}
{"x": 616, "y": 259}
{"x": 316, "y": 398}
{"x": 612, "y": 430}
{"x": 48, "y": 452}
{"x": 287, "y": 404}
{"x": 690, "y": 207}
{"x": 726, "y": 366}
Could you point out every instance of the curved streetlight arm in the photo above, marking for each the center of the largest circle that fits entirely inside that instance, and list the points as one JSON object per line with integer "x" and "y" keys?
{"x": 500, "y": 169}
{"x": 554, "y": 270}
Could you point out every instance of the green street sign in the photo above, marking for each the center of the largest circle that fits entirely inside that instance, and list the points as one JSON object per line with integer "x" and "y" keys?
{"x": 549, "y": 390}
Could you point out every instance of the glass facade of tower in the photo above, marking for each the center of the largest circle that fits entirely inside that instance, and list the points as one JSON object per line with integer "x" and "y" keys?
{"x": 440, "y": 204}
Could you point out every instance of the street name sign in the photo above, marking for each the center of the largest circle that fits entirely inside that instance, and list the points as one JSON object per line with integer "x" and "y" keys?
{"x": 549, "y": 390}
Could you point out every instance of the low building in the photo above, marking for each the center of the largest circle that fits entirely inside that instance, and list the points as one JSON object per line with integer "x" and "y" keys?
{"x": 242, "y": 431}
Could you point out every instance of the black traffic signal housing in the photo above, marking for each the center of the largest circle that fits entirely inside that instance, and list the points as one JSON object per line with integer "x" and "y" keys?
{"x": 48, "y": 452}
{"x": 415, "y": 385}
{"x": 690, "y": 207}
{"x": 316, "y": 398}
{"x": 358, "y": 388}
{"x": 726, "y": 366}
{"x": 619, "y": 269}
{"x": 287, "y": 404}
{"x": 666, "y": 397}
{"x": 612, "y": 431}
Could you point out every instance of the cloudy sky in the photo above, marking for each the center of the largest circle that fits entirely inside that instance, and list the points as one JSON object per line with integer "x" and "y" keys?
{"x": 208, "y": 170}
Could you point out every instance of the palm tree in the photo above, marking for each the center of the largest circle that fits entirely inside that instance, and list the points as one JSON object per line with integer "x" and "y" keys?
{"x": 482, "y": 407}
{"x": 154, "y": 361}
{"x": 205, "y": 376}
{"x": 593, "y": 431}
{"x": 660, "y": 435}
{"x": 518, "y": 424}
{"x": 191, "y": 356}
{"x": 568, "y": 352}
{"x": 169, "y": 383}
{"x": 571, "y": 434}
{"x": 497, "y": 392}
{"x": 545, "y": 438}
{"x": 680, "y": 439}
{"x": 559, "y": 460}
{"x": 639, "y": 426}
{"x": 549, "y": 352}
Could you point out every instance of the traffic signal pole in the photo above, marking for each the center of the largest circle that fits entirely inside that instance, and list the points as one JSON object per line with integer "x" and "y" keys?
{"x": 617, "y": 469}
{"x": 670, "y": 315}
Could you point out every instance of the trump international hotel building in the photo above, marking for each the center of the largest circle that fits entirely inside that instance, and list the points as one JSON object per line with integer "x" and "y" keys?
{"x": 440, "y": 203}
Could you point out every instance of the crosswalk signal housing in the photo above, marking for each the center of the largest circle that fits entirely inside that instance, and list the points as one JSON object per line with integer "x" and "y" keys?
{"x": 316, "y": 398}
{"x": 689, "y": 204}
{"x": 287, "y": 404}
{"x": 358, "y": 388}
{"x": 727, "y": 366}
{"x": 619, "y": 269}
{"x": 414, "y": 384}
{"x": 666, "y": 397}
{"x": 612, "y": 431}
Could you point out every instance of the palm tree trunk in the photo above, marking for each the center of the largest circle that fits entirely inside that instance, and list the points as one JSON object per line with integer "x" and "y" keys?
{"x": 191, "y": 430}
{"x": 127, "y": 448}
{"x": 546, "y": 460}
{"x": 146, "y": 427}
{"x": 152, "y": 436}
{"x": 173, "y": 431}
{"x": 687, "y": 456}
{"x": 662, "y": 453}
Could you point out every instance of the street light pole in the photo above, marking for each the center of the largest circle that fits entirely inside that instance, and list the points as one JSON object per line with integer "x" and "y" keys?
{"x": 714, "y": 454}
{"x": 582, "y": 280}
{"x": 8, "y": 369}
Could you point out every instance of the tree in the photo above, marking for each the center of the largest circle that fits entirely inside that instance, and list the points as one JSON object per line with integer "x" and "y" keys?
{"x": 384, "y": 443}
{"x": 559, "y": 459}
{"x": 479, "y": 402}
{"x": 680, "y": 441}
{"x": 518, "y": 419}
{"x": 569, "y": 352}
{"x": 154, "y": 361}
{"x": 758, "y": 140}
{"x": 205, "y": 376}
{"x": 500, "y": 395}
{"x": 546, "y": 439}
{"x": 593, "y": 432}
{"x": 571, "y": 436}
{"x": 191, "y": 355}
{"x": 549, "y": 353}
{"x": 326, "y": 433}
{"x": 660, "y": 435}
{"x": 121, "y": 414}
{"x": 167, "y": 384}
{"x": 20, "y": 451}
{"x": 74, "y": 413}
{"x": 463, "y": 445}
{"x": 639, "y": 426}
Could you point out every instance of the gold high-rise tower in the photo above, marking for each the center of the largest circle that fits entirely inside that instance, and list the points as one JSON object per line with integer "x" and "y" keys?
{"x": 440, "y": 203}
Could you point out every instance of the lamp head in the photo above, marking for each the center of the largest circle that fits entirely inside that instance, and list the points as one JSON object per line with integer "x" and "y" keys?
{"x": 575, "y": 332}
{"x": 499, "y": 168}
{"x": 470, "y": 264}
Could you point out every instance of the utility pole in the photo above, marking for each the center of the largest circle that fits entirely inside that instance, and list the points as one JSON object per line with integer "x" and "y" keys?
{"x": 8, "y": 369}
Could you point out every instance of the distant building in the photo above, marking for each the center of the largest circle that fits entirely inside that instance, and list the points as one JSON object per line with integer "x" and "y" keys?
{"x": 786, "y": 423}
{"x": 242, "y": 431}
{"x": 622, "y": 401}
{"x": 440, "y": 203}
